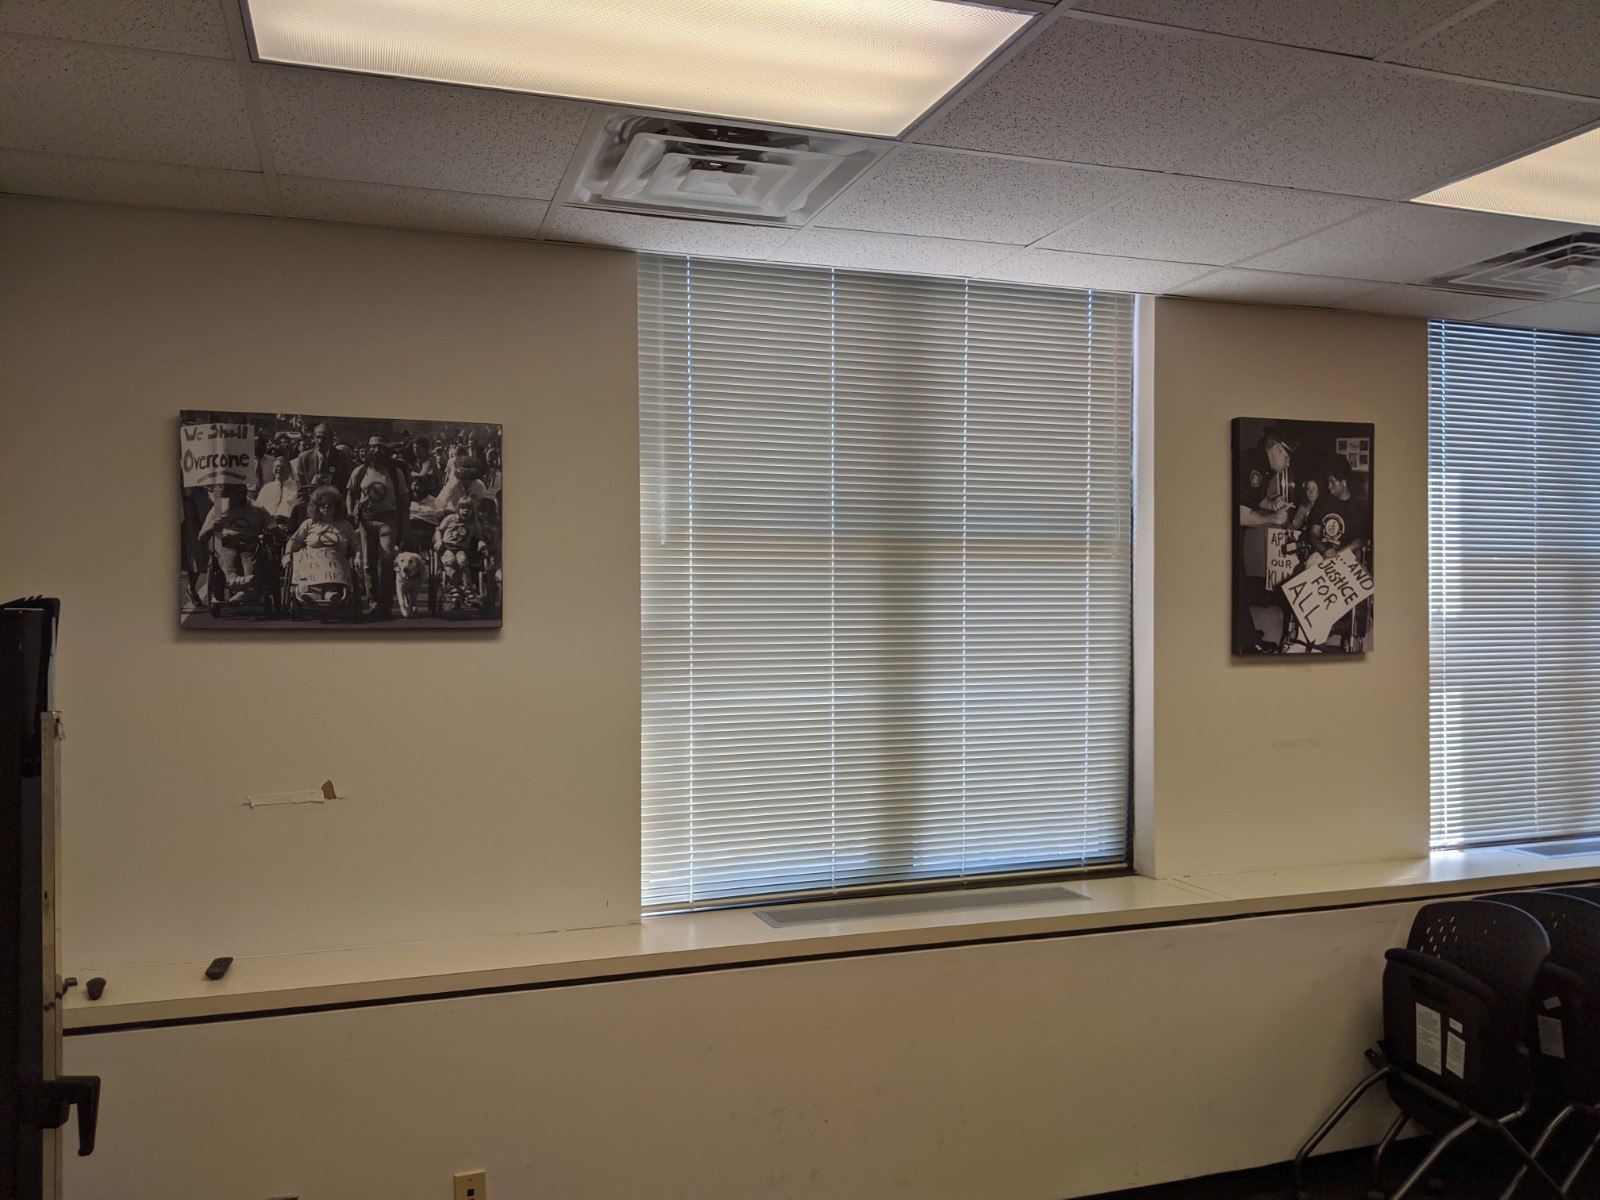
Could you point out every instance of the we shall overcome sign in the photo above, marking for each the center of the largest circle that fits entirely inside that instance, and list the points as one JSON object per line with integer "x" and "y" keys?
{"x": 1326, "y": 590}
{"x": 216, "y": 453}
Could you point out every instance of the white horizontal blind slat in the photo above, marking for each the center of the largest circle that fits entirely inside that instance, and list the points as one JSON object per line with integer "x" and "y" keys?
{"x": 1514, "y": 562}
{"x": 886, "y": 577}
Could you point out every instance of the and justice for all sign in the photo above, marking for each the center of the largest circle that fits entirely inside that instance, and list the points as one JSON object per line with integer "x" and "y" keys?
{"x": 1326, "y": 590}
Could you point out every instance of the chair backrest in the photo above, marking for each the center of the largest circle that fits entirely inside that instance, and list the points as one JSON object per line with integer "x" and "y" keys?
{"x": 1501, "y": 945}
{"x": 1572, "y": 923}
{"x": 1583, "y": 891}
{"x": 1455, "y": 1009}
{"x": 1563, "y": 1026}
{"x": 1447, "y": 1029}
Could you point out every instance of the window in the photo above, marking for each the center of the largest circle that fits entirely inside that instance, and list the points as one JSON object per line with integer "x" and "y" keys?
{"x": 1514, "y": 563}
{"x": 886, "y": 573}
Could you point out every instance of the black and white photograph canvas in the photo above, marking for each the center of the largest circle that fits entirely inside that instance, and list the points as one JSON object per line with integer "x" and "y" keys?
{"x": 1302, "y": 537}
{"x": 299, "y": 521}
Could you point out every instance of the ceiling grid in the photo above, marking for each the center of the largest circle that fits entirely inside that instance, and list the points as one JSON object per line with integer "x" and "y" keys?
{"x": 1252, "y": 150}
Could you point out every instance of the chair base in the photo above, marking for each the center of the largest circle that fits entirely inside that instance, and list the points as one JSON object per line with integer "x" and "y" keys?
{"x": 1467, "y": 1121}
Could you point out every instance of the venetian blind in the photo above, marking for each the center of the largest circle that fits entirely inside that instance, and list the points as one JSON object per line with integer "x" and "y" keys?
{"x": 1514, "y": 563}
{"x": 886, "y": 573}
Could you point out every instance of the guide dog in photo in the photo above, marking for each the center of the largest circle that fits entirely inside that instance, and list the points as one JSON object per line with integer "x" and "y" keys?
{"x": 409, "y": 570}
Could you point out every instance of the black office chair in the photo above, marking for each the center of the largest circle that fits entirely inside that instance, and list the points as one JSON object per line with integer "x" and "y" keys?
{"x": 1452, "y": 1054}
{"x": 1563, "y": 1023}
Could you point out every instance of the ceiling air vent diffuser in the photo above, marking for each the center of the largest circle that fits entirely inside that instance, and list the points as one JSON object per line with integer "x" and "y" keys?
{"x": 683, "y": 167}
{"x": 1549, "y": 271}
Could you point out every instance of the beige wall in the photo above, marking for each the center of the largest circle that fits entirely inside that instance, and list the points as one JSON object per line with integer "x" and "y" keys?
{"x": 1266, "y": 762}
{"x": 493, "y": 779}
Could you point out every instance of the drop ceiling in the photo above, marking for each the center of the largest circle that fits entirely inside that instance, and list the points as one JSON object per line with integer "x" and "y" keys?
{"x": 1250, "y": 150}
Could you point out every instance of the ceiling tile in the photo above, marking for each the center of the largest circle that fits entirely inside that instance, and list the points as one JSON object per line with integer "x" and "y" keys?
{"x": 327, "y": 125}
{"x": 1269, "y": 287}
{"x": 1054, "y": 268}
{"x": 74, "y": 98}
{"x": 116, "y": 182}
{"x": 410, "y": 208}
{"x": 945, "y": 193}
{"x": 890, "y": 252}
{"x": 1203, "y": 220}
{"x": 1562, "y": 315}
{"x": 1407, "y": 243}
{"x": 1542, "y": 43}
{"x": 182, "y": 26}
{"x": 1096, "y": 92}
{"x": 1405, "y": 301}
{"x": 1364, "y": 27}
{"x": 664, "y": 235}
{"x": 1390, "y": 133}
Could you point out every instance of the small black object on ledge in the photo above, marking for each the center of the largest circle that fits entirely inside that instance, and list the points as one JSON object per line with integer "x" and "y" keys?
{"x": 219, "y": 967}
{"x": 95, "y": 987}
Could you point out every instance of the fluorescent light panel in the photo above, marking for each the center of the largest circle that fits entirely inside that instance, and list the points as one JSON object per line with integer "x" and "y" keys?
{"x": 857, "y": 66}
{"x": 1560, "y": 183}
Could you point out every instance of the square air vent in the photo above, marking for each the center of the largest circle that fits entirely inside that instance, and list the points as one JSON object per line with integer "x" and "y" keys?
{"x": 1549, "y": 271}
{"x": 678, "y": 166}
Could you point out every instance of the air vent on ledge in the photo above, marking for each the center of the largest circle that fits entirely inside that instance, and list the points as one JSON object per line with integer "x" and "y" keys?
{"x": 825, "y": 912}
{"x": 1564, "y": 849}
{"x": 680, "y": 166}
{"x": 1549, "y": 271}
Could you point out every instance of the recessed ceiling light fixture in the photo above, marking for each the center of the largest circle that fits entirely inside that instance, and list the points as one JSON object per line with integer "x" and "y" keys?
{"x": 856, "y": 66}
{"x": 1560, "y": 183}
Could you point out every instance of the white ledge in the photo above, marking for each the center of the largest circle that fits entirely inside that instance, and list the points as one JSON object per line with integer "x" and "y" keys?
{"x": 178, "y": 992}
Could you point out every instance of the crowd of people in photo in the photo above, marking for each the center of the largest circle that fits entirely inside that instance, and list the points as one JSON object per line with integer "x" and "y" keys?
{"x": 398, "y": 507}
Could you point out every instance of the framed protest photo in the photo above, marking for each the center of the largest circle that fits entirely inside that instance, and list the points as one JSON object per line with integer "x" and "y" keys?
{"x": 300, "y": 521}
{"x": 1302, "y": 537}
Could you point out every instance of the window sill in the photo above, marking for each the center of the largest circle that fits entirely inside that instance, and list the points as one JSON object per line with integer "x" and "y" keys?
{"x": 178, "y": 993}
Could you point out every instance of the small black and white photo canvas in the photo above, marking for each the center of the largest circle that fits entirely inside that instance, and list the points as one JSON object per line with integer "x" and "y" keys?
{"x": 1302, "y": 537}
{"x": 299, "y": 521}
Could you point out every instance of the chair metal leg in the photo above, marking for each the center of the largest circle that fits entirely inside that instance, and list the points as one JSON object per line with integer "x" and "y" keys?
{"x": 1538, "y": 1146}
{"x": 1333, "y": 1118}
{"x": 1583, "y": 1161}
{"x": 1434, "y": 1154}
{"x": 1530, "y": 1163}
{"x": 1395, "y": 1130}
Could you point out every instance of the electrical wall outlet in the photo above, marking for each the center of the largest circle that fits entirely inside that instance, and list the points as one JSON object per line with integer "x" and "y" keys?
{"x": 472, "y": 1185}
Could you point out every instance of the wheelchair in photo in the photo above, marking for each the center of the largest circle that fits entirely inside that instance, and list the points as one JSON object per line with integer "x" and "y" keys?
{"x": 261, "y": 592}
{"x": 321, "y": 582}
{"x": 474, "y": 587}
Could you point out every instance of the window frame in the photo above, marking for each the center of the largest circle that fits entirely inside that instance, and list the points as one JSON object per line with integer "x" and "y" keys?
{"x": 1119, "y": 862}
{"x": 1518, "y": 388}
